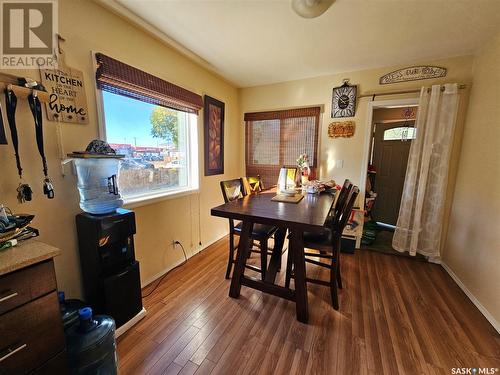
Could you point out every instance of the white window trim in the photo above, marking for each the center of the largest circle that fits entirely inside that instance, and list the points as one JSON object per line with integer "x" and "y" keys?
{"x": 192, "y": 162}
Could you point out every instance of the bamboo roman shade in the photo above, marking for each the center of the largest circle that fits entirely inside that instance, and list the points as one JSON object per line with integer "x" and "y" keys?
{"x": 119, "y": 78}
{"x": 277, "y": 138}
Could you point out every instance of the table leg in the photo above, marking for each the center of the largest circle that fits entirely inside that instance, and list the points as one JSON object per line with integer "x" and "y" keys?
{"x": 275, "y": 262}
{"x": 296, "y": 245}
{"x": 241, "y": 259}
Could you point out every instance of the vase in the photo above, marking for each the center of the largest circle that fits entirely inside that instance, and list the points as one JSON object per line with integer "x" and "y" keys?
{"x": 304, "y": 179}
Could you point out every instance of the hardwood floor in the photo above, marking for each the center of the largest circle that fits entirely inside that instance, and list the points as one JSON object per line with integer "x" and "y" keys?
{"x": 397, "y": 316}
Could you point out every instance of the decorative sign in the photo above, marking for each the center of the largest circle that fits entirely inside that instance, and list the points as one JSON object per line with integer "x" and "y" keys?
{"x": 341, "y": 129}
{"x": 413, "y": 73}
{"x": 68, "y": 101}
{"x": 409, "y": 113}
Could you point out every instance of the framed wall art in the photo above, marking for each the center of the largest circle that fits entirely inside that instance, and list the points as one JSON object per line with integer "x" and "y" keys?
{"x": 213, "y": 116}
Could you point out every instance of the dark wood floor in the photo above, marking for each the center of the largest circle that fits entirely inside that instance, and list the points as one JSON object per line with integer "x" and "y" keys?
{"x": 397, "y": 316}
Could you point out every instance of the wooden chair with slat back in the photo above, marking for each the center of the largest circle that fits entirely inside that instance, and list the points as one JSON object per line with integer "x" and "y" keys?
{"x": 328, "y": 244}
{"x": 340, "y": 201}
{"x": 232, "y": 190}
{"x": 253, "y": 184}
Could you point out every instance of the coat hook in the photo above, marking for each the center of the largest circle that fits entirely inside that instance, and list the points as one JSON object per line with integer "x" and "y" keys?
{"x": 59, "y": 40}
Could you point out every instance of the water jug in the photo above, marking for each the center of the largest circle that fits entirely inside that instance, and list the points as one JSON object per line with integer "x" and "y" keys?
{"x": 98, "y": 184}
{"x": 91, "y": 345}
{"x": 69, "y": 310}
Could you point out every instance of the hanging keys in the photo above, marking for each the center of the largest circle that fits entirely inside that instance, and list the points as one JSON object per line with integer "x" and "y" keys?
{"x": 36, "y": 110}
{"x": 48, "y": 188}
{"x": 24, "y": 193}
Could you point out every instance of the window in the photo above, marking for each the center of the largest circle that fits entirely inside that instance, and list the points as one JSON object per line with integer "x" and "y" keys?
{"x": 275, "y": 139}
{"x": 153, "y": 127}
{"x": 401, "y": 133}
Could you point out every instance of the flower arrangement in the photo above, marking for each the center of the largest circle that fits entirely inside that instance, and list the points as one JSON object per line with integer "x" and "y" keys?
{"x": 303, "y": 163}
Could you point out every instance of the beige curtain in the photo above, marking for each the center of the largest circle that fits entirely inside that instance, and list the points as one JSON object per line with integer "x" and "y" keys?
{"x": 420, "y": 221}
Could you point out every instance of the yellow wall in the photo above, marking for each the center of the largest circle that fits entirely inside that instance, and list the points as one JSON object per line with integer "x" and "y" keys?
{"x": 88, "y": 27}
{"x": 472, "y": 249}
{"x": 318, "y": 91}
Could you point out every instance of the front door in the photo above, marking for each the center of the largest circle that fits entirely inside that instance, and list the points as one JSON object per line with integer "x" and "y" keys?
{"x": 391, "y": 148}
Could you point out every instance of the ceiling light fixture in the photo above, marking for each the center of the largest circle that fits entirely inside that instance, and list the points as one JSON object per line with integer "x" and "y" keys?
{"x": 311, "y": 8}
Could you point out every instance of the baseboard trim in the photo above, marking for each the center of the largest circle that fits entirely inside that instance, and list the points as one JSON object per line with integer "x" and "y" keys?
{"x": 471, "y": 296}
{"x": 124, "y": 328}
{"x": 155, "y": 277}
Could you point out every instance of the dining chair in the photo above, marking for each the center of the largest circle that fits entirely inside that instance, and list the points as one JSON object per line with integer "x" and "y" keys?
{"x": 253, "y": 184}
{"x": 328, "y": 244}
{"x": 231, "y": 191}
{"x": 340, "y": 201}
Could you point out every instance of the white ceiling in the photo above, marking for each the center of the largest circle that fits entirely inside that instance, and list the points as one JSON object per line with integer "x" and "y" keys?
{"x": 255, "y": 42}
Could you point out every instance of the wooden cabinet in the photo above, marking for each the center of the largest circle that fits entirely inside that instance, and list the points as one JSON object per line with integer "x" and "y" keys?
{"x": 31, "y": 331}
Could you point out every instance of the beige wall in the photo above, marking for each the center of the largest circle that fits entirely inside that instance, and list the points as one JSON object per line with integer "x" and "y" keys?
{"x": 472, "y": 248}
{"x": 88, "y": 27}
{"x": 318, "y": 91}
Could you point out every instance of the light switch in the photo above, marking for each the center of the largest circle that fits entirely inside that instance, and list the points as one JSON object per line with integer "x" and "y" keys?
{"x": 340, "y": 163}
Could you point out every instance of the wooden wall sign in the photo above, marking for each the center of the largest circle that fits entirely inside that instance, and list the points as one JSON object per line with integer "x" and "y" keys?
{"x": 341, "y": 129}
{"x": 68, "y": 100}
{"x": 413, "y": 73}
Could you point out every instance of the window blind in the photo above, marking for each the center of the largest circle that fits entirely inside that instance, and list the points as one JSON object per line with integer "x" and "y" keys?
{"x": 277, "y": 138}
{"x": 119, "y": 78}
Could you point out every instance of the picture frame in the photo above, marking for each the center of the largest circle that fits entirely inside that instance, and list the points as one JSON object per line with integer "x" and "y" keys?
{"x": 213, "y": 124}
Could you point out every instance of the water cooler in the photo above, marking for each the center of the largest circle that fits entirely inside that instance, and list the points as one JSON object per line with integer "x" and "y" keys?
{"x": 110, "y": 272}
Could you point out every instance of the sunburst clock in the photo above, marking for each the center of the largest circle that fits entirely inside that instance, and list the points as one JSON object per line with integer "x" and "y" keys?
{"x": 344, "y": 100}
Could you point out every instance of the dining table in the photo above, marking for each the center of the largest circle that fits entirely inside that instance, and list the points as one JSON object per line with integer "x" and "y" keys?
{"x": 308, "y": 215}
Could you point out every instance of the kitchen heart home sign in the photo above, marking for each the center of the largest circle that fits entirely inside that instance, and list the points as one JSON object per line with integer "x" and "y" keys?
{"x": 68, "y": 100}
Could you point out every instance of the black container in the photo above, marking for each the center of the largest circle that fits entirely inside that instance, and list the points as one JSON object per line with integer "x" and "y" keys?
{"x": 347, "y": 245}
{"x": 69, "y": 310}
{"x": 91, "y": 345}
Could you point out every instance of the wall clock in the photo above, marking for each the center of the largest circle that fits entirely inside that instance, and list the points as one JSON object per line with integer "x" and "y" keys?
{"x": 344, "y": 100}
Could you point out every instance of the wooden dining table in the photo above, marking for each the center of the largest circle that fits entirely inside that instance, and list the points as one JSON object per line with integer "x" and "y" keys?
{"x": 308, "y": 215}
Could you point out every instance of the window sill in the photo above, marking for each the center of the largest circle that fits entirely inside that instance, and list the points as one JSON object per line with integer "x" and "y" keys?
{"x": 145, "y": 200}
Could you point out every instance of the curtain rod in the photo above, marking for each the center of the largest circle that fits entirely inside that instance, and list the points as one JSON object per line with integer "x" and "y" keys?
{"x": 368, "y": 94}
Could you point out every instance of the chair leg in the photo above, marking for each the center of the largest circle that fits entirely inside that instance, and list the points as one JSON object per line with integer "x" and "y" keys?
{"x": 263, "y": 258}
{"x": 230, "y": 261}
{"x": 289, "y": 263}
{"x": 333, "y": 285}
{"x": 339, "y": 277}
{"x": 251, "y": 247}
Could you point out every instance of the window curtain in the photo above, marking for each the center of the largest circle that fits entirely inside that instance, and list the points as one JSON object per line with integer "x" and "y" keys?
{"x": 276, "y": 138}
{"x": 420, "y": 221}
{"x": 122, "y": 79}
